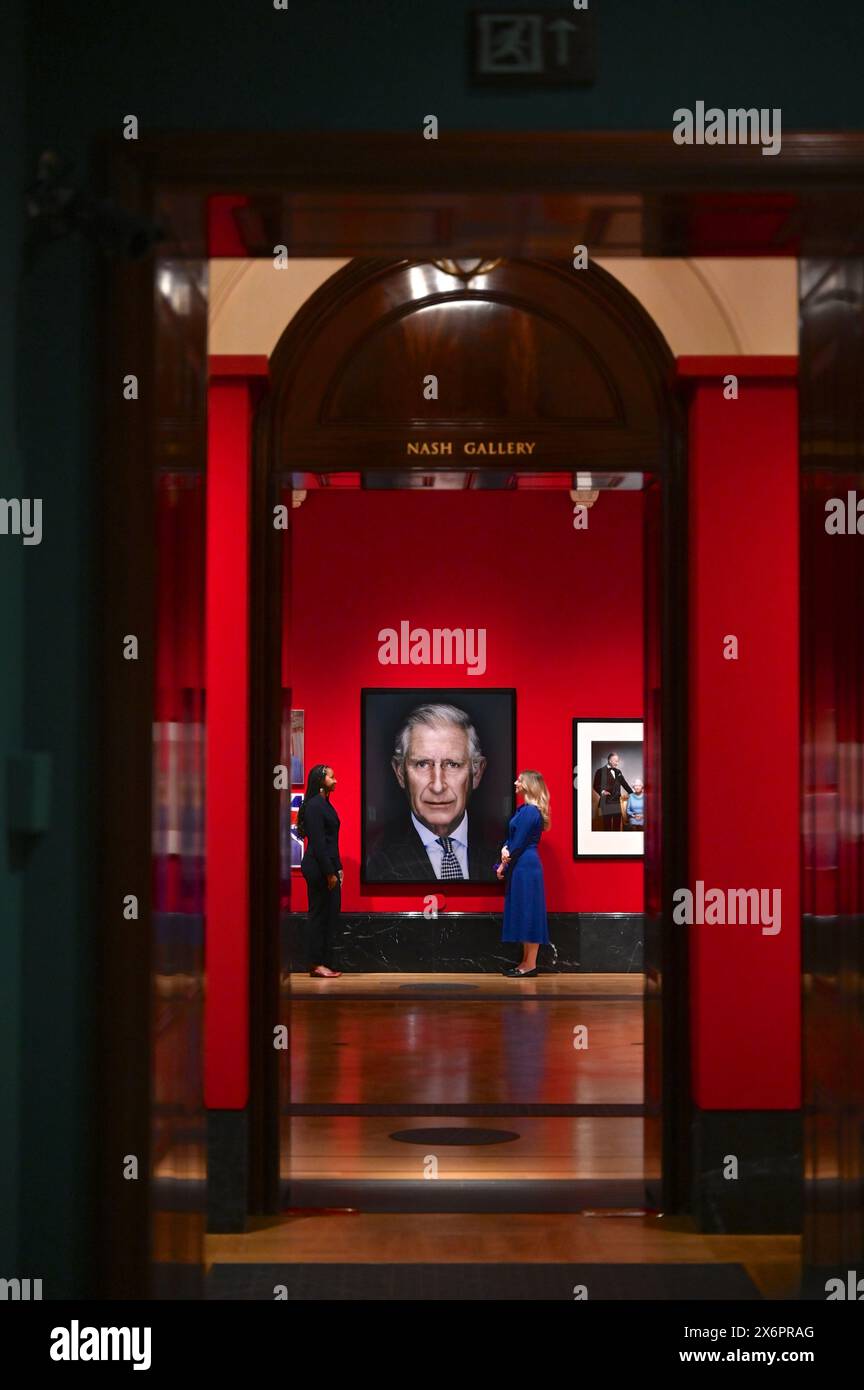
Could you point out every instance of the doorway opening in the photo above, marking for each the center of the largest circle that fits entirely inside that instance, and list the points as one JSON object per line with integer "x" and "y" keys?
{"x": 424, "y": 1061}
{"x": 366, "y": 195}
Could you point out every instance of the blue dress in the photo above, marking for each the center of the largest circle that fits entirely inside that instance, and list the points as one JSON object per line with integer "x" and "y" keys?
{"x": 525, "y": 897}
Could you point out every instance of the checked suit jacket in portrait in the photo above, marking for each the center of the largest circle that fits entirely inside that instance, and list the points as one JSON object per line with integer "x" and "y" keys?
{"x": 399, "y": 857}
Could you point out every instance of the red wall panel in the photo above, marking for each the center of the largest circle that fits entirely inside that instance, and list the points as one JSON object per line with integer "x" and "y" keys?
{"x": 224, "y": 238}
{"x": 226, "y": 1041}
{"x": 563, "y": 613}
{"x": 743, "y": 777}
{"x": 180, "y": 545}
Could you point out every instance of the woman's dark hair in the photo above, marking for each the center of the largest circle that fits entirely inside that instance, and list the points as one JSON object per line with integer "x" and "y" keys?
{"x": 313, "y": 787}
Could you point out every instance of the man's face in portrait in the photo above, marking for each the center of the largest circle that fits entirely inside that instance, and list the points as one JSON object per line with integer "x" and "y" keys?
{"x": 614, "y": 760}
{"x": 437, "y": 775}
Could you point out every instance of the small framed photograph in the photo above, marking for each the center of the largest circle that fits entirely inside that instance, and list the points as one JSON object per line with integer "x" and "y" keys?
{"x": 609, "y": 795}
{"x": 298, "y": 727}
{"x": 290, "y": 846}
{"x": 296, "y": 842}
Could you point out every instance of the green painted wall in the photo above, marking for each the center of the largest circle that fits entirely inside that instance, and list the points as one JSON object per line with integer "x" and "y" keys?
{"x": 12, "y": 565}
{"x": 380, "y": 64}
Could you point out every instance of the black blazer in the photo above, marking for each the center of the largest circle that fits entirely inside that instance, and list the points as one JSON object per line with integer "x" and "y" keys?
{"x": 611, "y": 780}
{"x": 321, "y": 824}
{"x": 399, "y": 857}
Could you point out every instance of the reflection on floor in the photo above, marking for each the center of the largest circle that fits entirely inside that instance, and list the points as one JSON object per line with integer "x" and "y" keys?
{"x": 556, "y": 1059}
{"x": 547, "y": 1148}
{"x": 567, "y": 1039}
{"x": 458, "y": 1053}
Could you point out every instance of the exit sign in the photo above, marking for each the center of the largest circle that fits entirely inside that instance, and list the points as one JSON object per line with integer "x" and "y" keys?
{"x": 533, "y": 47}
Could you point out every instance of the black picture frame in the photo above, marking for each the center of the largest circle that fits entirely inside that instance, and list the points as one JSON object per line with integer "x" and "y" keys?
{"x": 464, "y": 696}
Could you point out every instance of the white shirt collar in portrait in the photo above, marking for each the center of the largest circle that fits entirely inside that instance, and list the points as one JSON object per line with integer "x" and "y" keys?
{"x": 459, "y": 838}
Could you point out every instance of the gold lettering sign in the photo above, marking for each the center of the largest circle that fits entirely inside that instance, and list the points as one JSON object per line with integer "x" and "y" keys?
{"x": 472, "y": 448}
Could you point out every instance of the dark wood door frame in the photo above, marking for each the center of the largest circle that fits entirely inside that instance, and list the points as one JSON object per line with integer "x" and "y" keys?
{"x": 344, "y": 354}
{"x": 510, "y": 194}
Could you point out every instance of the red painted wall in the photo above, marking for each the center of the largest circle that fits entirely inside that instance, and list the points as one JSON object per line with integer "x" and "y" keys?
{"x": 226, "y": 1015}
{"x": 744, "y": 738}
{"x": 179, "y": 592}
{"x": 564, "y": 628}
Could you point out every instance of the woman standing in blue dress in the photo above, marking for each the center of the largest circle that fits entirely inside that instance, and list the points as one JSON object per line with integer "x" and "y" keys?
{"x": 525, "y": 897}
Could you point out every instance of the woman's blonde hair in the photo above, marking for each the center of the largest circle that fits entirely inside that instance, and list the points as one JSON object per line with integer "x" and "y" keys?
{"x": 537, "y": 791}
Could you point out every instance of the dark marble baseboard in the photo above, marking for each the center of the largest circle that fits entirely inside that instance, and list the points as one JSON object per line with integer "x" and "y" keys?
{"x": 767, "y": 1196}
{"x": 504, "y": 1282}
{"x": 227, "y": 1170}
{"x": 470, "y": 943}
{"x": 177, "y": 1282}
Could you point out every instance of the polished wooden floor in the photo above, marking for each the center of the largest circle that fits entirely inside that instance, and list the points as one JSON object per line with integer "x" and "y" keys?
{"x": 502, "y": 1049}
{"x": 365, "y": 1042}
{"x": 547, "y": 1149}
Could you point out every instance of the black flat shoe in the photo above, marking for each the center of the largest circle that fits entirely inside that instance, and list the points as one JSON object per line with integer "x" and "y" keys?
{"x": 520, "y": 974}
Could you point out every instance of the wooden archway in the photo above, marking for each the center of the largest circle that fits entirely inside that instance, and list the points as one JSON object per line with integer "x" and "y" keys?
{"x": 531, "y": 352}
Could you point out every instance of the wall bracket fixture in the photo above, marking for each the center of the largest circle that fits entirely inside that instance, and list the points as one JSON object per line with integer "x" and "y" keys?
{"x": 56, "y": 209}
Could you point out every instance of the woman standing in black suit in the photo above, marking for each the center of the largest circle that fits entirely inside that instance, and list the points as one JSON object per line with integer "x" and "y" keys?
{"x": 318, "y": 824}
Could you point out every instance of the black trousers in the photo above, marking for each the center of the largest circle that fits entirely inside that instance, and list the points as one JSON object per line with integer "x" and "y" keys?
{"x": 325, "y": 907}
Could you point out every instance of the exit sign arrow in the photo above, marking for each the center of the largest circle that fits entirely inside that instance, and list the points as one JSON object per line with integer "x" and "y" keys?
{"x": 532, "y": 47}
{"x": 562, "y": 29}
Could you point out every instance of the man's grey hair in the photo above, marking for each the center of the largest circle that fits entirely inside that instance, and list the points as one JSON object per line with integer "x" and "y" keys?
{"x": 433, "y": 716}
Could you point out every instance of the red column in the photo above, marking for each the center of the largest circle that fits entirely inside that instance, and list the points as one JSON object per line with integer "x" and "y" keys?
{"x": 234, "y": 383}
{"x": 224, "y": 236}
{"x": 743, "y": 772}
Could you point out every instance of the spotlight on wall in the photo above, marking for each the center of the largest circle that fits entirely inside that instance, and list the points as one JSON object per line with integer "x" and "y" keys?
{"x": 583, "y": 493}
{"x": 57, "y": 209}
{"x": 467, "y": 270}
